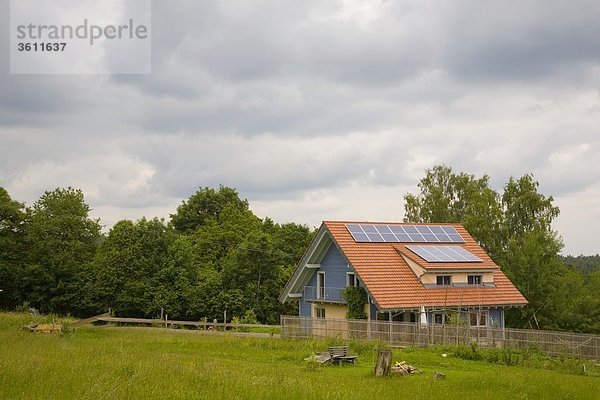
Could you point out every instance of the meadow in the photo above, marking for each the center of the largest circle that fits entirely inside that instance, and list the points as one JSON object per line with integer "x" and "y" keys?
{"x": 107, "y": 362}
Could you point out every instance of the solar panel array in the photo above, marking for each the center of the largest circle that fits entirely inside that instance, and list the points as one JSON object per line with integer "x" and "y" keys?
{"x": 448, "y": 253}
{"x": 382, "y": 233}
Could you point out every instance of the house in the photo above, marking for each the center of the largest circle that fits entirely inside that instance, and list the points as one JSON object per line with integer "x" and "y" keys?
{"x": 419, "y": 273}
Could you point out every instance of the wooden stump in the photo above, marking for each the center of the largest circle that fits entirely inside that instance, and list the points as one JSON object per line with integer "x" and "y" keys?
{"x": 439, "y": 375}
{"x": 384, "y": 363}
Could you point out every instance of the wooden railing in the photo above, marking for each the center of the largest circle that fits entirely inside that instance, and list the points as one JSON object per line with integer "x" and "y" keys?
{"x": 325, "y": 294}
{"x": 171, "y": 323}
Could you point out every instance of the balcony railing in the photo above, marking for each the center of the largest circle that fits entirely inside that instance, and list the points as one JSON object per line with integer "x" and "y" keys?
{"x": 325, "y": 294}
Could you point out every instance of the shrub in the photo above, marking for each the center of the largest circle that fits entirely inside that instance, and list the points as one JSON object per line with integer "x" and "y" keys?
{"x": 23, "y": 308}
{"x": 356, "y": 298}
{"x": 312, "y": 363}
{"x": 468, "y": 352}
{"x": 249, "y": 317}
{"x": 504, "y": 356}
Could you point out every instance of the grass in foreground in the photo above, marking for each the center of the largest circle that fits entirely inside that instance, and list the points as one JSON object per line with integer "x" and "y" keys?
{"x": 142, "y": 363}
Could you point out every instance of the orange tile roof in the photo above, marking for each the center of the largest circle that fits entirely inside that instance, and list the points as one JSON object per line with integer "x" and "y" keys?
{"x": 393, "y": 285}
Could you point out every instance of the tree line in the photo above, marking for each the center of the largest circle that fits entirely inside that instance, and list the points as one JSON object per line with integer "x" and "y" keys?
{"x": 583, "y": 264}
{"x": 215, "y": 256}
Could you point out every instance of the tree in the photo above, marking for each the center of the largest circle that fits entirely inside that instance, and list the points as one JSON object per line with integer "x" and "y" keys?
{"x": 207, "y": 298}
{"x": 251, "y": 267}
{"x": 583, "y": 264}
{"x": 531, "y": 263}
{"x": 530, "y": 257}
{"x": 61, "y": 238}
{"x": 589, "y": 305}
{"x": 526, "y": 210}
{"x": 204, "y": 205}
{"x": 243, "y": 263}
{"x": 459, "y": 198}
{"x": 290, "y": 241}
{"x": 12, "y": 249}
{"x": 139, "y": 268}
{"x": 514, "y": 228}
{"x": 171, "y": 285}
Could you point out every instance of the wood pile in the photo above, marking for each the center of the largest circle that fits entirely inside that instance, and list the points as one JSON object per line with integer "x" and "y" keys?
{"x": 44, "y": 328}
{"x": 402, "y": 368}
{"x": 321, "y": 358}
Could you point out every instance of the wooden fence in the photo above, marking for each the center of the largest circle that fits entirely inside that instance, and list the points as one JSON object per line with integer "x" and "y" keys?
{"x": 411, "y": 334}
{"x": 168, "y": 323}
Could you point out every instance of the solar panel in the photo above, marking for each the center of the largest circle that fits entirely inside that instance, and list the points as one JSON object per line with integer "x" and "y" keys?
{"x": 378, "y": 233}
{"x": 443, "y": 253}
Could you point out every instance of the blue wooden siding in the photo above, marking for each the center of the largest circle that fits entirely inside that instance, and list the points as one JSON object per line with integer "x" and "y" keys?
{"x": 335, "y": 266}
{"x": 305, "y": 309}
{"x": 373, "y": 311}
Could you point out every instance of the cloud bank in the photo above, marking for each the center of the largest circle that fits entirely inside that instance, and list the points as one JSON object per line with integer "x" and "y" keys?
{"x": 321, "y": 110}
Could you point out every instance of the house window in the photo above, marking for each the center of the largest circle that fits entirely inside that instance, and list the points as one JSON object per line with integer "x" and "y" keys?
{"x": 319, "y": 312}
{"x": 351, "y": 279}
{"x": 474, "y": 279}
{"x": 321, "y": 285}
{"x": 438, "y": 318}
{"x": 444, "y": 280}
{"x": 478, "y": 318}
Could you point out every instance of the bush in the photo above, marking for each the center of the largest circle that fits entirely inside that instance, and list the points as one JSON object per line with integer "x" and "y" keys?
{"x": 356, "y": 298}
{"x": 23, "y": 308}
{"x": 249, "y": 317}
{"x": 530, "y": 357}
{"x": 312, "y": 363}
{"x": 502, "y": 356}
{"x": 468, "y": 352}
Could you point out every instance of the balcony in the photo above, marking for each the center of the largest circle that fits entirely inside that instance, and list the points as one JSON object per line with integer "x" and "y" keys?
{"x": 324, "y": 295}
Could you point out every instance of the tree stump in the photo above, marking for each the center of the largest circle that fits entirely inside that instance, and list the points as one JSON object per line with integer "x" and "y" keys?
{"x": 383, "y": 363}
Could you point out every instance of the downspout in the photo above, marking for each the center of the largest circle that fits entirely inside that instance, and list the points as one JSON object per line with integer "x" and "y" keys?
{"x": 390, "y": 328}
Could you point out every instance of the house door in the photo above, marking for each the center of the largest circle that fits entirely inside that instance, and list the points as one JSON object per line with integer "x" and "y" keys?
{"x": 320, "y": 285}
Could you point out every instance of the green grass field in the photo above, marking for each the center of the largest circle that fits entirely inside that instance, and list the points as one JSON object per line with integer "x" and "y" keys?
{"x": 148, "y": 363}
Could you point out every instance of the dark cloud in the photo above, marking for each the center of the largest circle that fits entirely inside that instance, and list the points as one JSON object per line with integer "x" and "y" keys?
{"x": 318, "y": 110}
{"x": 519, "y": 41}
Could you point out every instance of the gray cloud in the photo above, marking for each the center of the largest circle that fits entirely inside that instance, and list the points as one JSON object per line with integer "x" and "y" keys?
{"x": 516, "y": 41}
{"x": 318, "y": 110}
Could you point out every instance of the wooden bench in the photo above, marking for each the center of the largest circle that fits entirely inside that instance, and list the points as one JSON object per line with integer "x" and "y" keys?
{"x": 340, "y": 354}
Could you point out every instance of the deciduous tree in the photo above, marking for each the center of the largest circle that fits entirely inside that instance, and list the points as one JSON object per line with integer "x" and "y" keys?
{"x": 516, "y": 230}
{"x": 12, "y": 249}
{"x": 205, "y": 204}
{"x": 61, "y": 238}
{"x": 445, "y": 196}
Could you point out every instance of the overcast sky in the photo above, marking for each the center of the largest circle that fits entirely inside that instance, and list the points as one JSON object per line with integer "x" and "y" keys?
{"x": 321, "y": 109}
